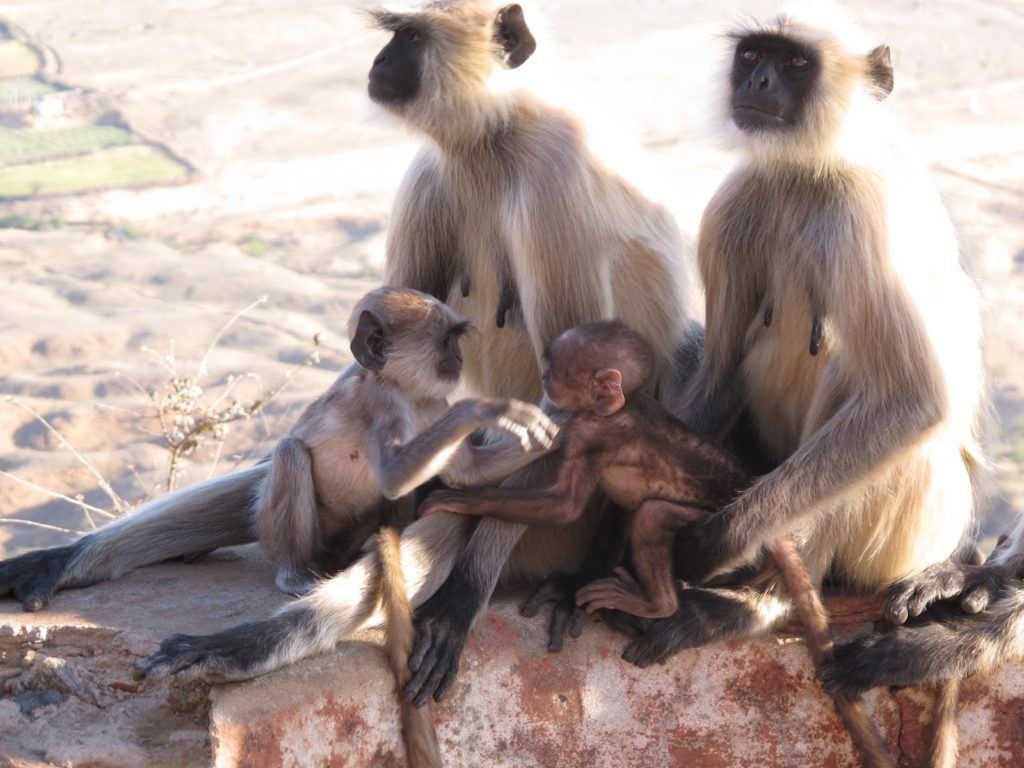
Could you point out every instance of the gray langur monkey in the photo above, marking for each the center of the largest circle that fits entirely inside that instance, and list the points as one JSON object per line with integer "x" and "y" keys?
{"x": 382, "y": 429}
{"x": 508, "y": 216}
{"x": 839, "y": 314}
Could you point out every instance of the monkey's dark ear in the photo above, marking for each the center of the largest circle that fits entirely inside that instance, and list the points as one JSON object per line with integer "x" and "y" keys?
{"x": 370, "y": 344}
{"x": 514, "y": 37}
{"x": 606, "y": 391}
{"x": 880, "y": 71}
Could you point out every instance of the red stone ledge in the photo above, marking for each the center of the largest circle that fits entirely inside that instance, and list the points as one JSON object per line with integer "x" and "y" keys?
{"x": 736, "y": 704}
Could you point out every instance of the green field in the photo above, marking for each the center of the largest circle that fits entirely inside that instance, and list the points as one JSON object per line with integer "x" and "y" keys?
{"x": 15, "y": 90}
{"x": 134, "y": 165}
{"x": 23, "y": 146}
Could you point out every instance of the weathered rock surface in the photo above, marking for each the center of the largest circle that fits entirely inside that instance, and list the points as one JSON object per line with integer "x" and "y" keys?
{"x": 68, "y": 698}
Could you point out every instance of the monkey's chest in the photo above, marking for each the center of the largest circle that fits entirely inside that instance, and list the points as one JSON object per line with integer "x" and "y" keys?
{"x": 787, "y": 347}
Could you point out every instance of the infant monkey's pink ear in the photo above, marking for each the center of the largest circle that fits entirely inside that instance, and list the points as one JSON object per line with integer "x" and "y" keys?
{"x": 606, "y": 391}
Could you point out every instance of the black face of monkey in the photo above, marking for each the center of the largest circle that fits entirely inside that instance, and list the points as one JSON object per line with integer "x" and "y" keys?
{"x": 395, "y": 75}
{"x": 449, "y": 364}
{"x": 772, "y": 78}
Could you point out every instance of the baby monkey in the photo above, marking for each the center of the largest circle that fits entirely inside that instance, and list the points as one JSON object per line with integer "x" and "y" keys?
{"x": 621, "y": 439}
{"x": 647, "y": 461}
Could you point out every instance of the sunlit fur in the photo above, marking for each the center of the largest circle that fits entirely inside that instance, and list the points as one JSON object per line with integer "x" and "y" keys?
{"x": 901, "y": 372}
{"x": 417, "y": 323}
{"x": 505, "y": 192}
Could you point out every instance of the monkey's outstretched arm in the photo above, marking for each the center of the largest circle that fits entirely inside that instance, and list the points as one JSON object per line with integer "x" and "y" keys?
{"x": 486, "y": 464}
{"x": 560, "y": 503}
{"x": 400, "y": 467}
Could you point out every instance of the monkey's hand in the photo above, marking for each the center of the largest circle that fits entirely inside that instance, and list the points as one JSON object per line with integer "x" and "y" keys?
{"x": 442, "y": 626}
{"x": 32, "y": 578}
{"x": 559, "y": 588}
{"x": 973, "y": 586}
{"x": 456, "y": 502}
{"x": 524, "y": 421}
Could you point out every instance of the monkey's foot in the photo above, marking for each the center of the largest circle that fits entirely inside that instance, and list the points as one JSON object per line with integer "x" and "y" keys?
{"x": 238, "y": 653}
{"x": 443, "y": 624}
{"x": 621, "y": 592}
{"x": 974, "y": 586}
{"x": 32, "y": 578}
{"x": 703, "y": 616}
{"x": 559, "y": 588}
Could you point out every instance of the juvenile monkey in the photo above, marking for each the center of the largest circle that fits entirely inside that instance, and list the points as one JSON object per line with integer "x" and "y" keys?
{"x": 379, "y": 431}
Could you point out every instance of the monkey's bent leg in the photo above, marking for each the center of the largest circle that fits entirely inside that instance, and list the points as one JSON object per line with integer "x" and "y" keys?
{"x": 287, "y": 516}
{"x": 317, "y": 622}
{"x": 706, "y": 616}
{"x": 652, "y": 594}
{"x": 201, "y": 517}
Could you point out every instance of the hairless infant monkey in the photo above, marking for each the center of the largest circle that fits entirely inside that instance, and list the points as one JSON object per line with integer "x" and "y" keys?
{"x": 623, "y": 440}
{"x": 648, "y": 461}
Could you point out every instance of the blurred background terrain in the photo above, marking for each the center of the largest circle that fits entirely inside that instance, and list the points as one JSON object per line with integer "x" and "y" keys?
{"x": 164, "y": 165}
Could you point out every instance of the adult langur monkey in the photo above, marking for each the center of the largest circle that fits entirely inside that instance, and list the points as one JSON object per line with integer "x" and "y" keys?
{"x": 506, "y": 214}
{"x": 839, "y": 314}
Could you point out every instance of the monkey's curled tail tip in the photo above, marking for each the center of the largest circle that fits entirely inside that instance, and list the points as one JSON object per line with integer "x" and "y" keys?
{"x": 418, "y": 730}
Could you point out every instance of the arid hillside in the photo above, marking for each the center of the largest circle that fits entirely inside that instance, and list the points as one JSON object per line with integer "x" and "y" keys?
{"x": 239, "y": 158}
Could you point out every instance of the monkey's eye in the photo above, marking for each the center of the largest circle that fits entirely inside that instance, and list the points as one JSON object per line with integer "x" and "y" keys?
{"x": 798, "y": 62}
{"x": 413, "y": 37}
{"x": 750, "y": 56}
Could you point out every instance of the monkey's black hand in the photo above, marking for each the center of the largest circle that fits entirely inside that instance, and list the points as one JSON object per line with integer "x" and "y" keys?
{"x": 973, "y": 586}
{"x": 443, "y": 624}
{"x": 703, "y": 616}
{"x": 234, "y": 654}
{"x": 32, "y": 578}
{"x": 559, "y": 588}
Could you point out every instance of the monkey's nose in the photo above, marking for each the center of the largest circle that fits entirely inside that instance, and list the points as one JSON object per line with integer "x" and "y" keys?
{"x": 763, "y": 83}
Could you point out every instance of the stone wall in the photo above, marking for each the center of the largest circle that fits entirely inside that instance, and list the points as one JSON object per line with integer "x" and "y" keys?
{"x": 68, "y": 698}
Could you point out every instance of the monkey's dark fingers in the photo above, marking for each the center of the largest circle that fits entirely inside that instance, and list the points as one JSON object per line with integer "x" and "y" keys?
{"x": 556, "y": 630}
{"x": 552, "y": 588}
{"x": 580, "y": 618}
{"x": 424, "y": 642}
{"x": 177, "y": 653}
{"x": 977, "y": 600}
{"x": 34, "y": 596}
{"x": 451, "y": 671}
{"x": 914, "y": 594}
{"x": 625, "y": 623}
{"x": 33, "y": 578}
{"x": 665, "y": 638}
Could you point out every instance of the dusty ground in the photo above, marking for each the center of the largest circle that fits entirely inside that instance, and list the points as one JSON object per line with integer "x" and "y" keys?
{"x": 266, "y": 101}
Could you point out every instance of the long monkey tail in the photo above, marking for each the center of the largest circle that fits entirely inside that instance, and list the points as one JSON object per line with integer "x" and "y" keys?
{"x": 418, "y": 729}
{"x": 866, "y": 738}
